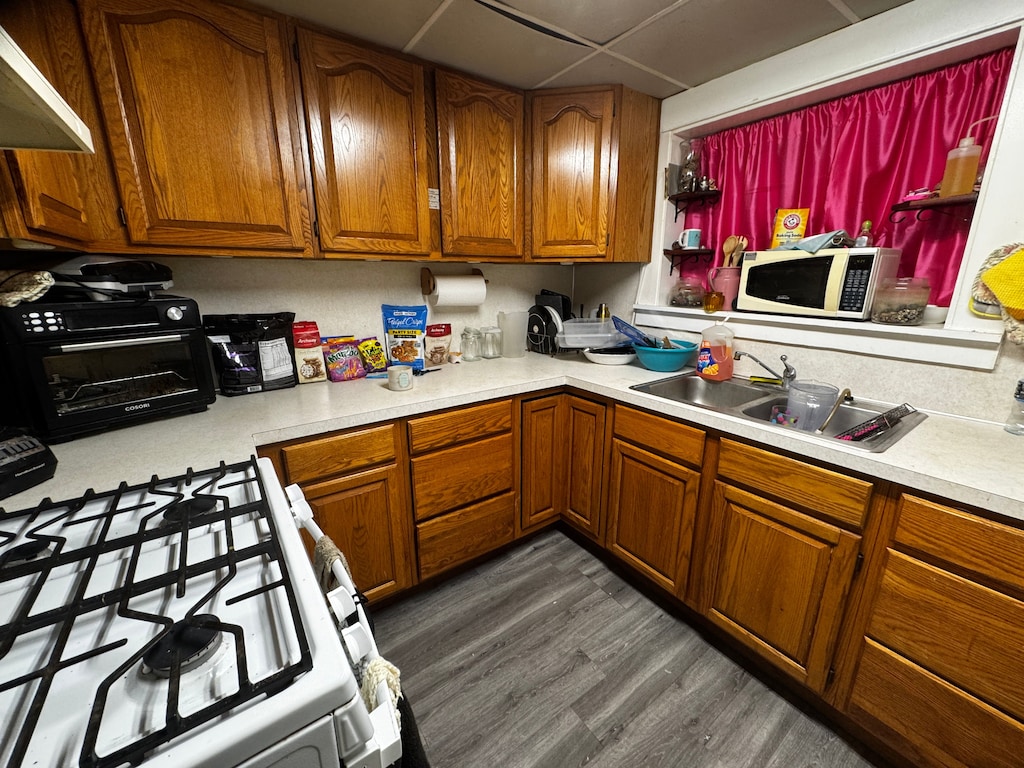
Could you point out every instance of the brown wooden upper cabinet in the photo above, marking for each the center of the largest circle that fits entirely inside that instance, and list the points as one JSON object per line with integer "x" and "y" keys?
{"x": 51, "y": 189}
{"x": 366, "y": 114}
{"x": 198, "y": 102}
{"x": 592, "y": 174}
{"x": 481, "y": 158}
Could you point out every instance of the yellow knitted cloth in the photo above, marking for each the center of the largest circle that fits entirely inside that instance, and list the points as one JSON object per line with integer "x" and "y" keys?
{"x": 1006, "y": 281}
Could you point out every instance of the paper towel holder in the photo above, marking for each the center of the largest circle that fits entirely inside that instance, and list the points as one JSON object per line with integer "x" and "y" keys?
{"x": 428, "y": 283}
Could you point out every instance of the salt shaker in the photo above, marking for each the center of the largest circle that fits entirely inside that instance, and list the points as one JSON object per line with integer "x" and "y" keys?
{"x": 1015, "y": 421}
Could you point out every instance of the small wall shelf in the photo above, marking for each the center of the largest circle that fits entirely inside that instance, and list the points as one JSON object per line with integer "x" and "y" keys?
{"x": 677, "y": 256}
{"x": 930, "y": 203}
{"x": 683, "y": 199}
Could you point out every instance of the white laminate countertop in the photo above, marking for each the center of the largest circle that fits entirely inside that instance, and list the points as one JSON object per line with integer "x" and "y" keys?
{"x": 976, "y": 463}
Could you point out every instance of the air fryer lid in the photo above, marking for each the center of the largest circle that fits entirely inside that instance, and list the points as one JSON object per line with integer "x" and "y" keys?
{"x": 113, "y": 273}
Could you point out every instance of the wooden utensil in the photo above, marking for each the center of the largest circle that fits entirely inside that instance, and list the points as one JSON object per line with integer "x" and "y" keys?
{"x": 733, "y": 260}
{"x": 727, "y": 248}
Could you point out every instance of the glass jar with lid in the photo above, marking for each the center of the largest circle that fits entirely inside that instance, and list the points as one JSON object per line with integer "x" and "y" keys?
{"x": 491, "y": 346}
{"x": 472, "y": 341}
{"x": 901, "y": 301}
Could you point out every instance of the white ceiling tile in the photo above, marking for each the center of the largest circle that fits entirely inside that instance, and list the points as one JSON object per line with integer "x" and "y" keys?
{"x": 704, "y": 39}
{"x": 865, "y": 9}
{"x": 603, "y": 69}
{"x": 595, "y": 20}
{"x": 391, "y": 23}
{"x": 473, "y": 38}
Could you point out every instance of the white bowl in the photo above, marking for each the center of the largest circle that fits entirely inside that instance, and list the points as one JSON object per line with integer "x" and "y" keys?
{"x": 616, "y": 358}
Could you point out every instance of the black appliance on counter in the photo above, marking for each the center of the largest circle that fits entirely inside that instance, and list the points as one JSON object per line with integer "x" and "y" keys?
{"x": 78, "y": 366}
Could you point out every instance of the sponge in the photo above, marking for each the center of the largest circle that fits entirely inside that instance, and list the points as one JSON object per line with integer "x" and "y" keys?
{"x": 1006, "y": 281}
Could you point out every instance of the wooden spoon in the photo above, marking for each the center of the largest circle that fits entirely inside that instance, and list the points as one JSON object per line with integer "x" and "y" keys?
{"x": 727, "y": 248}
{"x": 737, "y": 251}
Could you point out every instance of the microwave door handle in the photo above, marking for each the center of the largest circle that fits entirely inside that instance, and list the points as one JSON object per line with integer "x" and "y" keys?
{"x": 88, "y": 346}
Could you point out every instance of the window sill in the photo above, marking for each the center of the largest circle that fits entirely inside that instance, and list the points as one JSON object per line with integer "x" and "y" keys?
{"x": 920, "y": 343}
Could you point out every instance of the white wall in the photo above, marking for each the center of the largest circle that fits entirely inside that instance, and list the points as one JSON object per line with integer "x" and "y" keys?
{"x": 345, "y": 297}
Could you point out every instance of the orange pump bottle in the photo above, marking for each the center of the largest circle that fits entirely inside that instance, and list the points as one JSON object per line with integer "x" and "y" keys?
{"x": 714, "y": 359}
{"x": 961, "y": 169}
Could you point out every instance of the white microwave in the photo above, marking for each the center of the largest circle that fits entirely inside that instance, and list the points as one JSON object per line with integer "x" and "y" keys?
{"x": 833, "y": 282}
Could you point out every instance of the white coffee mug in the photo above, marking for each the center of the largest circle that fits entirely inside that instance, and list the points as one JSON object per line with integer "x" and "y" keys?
{"x": 400, "y": 377}
{"x": 689, "y": 239}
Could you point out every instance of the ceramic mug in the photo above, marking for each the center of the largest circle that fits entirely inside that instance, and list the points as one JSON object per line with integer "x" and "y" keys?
{"x": 400, "y": 378}
{"x": 727, "y": 281}
{"x": 689, "y": 239}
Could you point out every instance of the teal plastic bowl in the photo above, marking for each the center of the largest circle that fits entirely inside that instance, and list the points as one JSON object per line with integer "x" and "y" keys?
{"x": 667, "y": 360}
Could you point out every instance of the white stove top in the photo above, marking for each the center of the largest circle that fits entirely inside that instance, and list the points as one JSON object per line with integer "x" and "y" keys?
{"x": 163, "y": 623}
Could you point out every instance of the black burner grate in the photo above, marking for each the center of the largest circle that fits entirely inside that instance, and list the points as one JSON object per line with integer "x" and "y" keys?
{"x": 39, "y": 531}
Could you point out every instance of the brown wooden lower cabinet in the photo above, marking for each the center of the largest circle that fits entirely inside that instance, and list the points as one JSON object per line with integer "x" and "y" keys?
{"x": 562, "y": 455}
{"x": 778, "y": 557}
{"x": 941, "y": 671}
{"x": 778, "y": 580}
{"x": 366, "y": 514}
{"x": 459, "y": 536}
{"x": 584, "y": 466}
{"x": 652, "y": 495}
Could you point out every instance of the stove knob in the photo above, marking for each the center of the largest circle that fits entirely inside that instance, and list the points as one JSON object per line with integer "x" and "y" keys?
{"x": 174, "y": 313}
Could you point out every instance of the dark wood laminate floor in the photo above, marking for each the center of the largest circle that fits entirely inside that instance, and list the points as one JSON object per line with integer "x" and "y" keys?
{"x": 545, "y": 658}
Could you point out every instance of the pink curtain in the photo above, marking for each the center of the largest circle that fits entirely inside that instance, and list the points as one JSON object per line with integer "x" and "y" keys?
{"x": 851, "y": 159}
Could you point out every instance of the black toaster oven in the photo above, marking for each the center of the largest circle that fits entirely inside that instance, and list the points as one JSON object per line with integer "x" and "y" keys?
{"x": 75, "y": 367}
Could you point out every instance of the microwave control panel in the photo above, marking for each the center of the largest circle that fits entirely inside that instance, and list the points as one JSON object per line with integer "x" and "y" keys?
{"x": 856, "y": 282}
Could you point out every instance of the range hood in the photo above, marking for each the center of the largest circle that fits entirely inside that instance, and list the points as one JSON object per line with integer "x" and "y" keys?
{"x": 32, "y": 114}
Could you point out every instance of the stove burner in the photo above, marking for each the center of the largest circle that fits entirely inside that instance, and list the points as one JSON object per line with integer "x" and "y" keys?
{"x": 193, "y": 509}
{"x": 195, "y": 645}
{"x": 22, "y": 553}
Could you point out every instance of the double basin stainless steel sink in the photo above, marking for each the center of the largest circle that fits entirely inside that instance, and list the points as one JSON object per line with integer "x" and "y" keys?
{"x": 754, "y": 402}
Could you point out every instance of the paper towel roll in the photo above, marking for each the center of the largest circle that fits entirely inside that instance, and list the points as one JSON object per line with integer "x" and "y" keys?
{"x": 458, "y": 291}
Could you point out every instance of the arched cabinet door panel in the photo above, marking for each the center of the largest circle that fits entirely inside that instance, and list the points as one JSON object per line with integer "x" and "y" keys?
{"x": 366, "y": 114}
{"x": 198, "y": 100}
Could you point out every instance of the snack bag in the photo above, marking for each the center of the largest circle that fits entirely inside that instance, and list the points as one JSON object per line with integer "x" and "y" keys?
{"x": 439, "y": 341}
{"x": 404, "y": 331}
{"x": 344, "y": 363}
{"x": 309, "y": 354}
{"x": 374, "y": 359}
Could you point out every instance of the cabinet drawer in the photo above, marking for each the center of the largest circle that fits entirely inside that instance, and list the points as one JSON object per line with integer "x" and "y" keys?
{"x": 991, "y": 550}
{"x": 444, "y": 429}
{"x": 662, "y": 435}
{"x": 959, "y": 630}
{"x": 938, "y": 719}
{"x": 828, "y": 493}
{"x": 449, "y": 540}
{"x": 445, "y": 480}
{"x": 339, "y": 454}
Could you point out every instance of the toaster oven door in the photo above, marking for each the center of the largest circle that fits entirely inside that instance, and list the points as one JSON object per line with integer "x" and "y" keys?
{"x": 90, "y": 385}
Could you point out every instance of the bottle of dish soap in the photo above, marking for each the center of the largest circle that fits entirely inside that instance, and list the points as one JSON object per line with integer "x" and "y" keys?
{"x": 714, "y": 360}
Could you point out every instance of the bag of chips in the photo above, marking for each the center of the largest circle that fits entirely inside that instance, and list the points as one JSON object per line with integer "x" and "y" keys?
{"x": 341, "y": 353}
{"x": 404, "y": 331}
{"x": 374, "y": 359}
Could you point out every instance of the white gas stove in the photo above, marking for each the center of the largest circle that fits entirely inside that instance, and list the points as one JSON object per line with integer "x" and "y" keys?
{"x": 179, "y": 623}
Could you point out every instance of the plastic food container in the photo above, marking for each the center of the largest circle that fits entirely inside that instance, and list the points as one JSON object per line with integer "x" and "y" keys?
{"x": 580, "y": 333}
{"x": 901, "y": 301}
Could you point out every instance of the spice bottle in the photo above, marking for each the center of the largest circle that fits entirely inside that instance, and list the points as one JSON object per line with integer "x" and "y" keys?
{"x": 714, "y": 359}
{"x": 1015, "y": 421}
